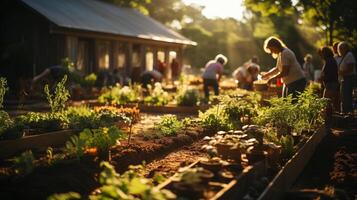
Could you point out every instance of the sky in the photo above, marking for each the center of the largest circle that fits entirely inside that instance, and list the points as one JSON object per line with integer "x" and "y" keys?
{"x": 220, "y": 8}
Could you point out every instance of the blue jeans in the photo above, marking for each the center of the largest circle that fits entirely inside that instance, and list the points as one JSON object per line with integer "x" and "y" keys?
{"x": 210, "y": 82}
{"x": 346, "y": 91}
{"x": 294, "y": 88}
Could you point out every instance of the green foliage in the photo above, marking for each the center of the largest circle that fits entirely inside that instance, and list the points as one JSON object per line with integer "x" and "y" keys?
{"x": 118, "y": 95}
{"x": 3, "y": 89}
{"x": 281, "y": 113}
{"x": 131, "y": 185}
{"x": 89, "y": 80}
{"x": 81, "y": 117}
{"x": 169, "y": 125}
{"x": 76, "y": 145}
{"x": 101, "y": 139}
{"x": 157, "y": 96}
{"x": 215, "y": 119}
{"x": 65, "y": 196}
{"x": 287, "y": 144}
{"x": 58, "y": 100}
{"x": 44, "y": 121}
{"x": 5, "y": 121}
{"x": 188, "y": 97}
{"x": 25, "y": 163}
{"x": 240, "y": 110}
{"x": 310, "y": 110}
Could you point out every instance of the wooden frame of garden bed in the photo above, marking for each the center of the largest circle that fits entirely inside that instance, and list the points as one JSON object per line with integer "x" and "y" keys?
{"x": 292, "y": 169}
{"x": 236, "y": 188}
{"x": 41, "y": 141}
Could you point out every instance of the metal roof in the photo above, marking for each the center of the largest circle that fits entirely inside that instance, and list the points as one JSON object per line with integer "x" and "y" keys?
{"x": 92, "y": 15}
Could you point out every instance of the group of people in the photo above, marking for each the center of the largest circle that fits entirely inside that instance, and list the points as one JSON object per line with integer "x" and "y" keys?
{"x": 337, "y": 76}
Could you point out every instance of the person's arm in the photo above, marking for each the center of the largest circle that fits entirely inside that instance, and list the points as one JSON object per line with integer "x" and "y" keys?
{"x": 219, "y": 73}
{"x": 270, "y": 73}
{"x": 40, "y": 76}
{"x": 284, "y": 72}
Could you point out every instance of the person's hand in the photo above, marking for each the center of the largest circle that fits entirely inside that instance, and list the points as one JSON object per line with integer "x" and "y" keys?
{"x": 265, "y": 76}
{"x": 270, "y": 81}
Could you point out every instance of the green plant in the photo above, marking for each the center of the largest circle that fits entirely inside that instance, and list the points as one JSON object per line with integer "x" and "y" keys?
{"x": 25, "y": 163}
{"x": 215, "y": 119}
{"x": 281, "y": 113}
{"x": 118, "y": 95}
{"x": 104, "y": 138}
{"x": 310, "y": 111}
{"x": 169, "y": 125}
{"x": 287, "y": 144}
{"x": 157, "y": 96}
{"x": 101, "y": 139}
{"x": 89, "y": 80}
{"x": 76, "y": 145}
{"x": 58, "y": 100}
{"x": 5, "y": 121}
{"x": 44, "y": 121}
{"x": 49, "y": 155}
{"x": 65, "y": 196}
{"x": 130, "y": 185}
{"x": 187, "y": 97}
{"x": 3, "y": 89}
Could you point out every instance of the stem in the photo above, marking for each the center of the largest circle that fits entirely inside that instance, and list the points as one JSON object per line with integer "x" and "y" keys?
{"x": 130, "y": 131}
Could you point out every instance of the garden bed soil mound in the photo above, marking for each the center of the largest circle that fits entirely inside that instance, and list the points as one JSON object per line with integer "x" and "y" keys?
{"x": 140, "y": 149}
{"x": 81, "y": 176}
{"x": 170, "y": 163}
{"x": 333, "y": 164}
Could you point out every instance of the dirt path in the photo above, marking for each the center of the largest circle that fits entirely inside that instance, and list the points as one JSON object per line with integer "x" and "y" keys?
{"x": 171, "y": 162}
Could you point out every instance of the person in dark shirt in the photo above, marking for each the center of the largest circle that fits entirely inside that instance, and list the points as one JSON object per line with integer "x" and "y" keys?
{"x": 329, "y": 77}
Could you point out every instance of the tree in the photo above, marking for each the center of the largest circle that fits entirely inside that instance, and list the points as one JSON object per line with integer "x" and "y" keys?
{"x": 337, "y": 19}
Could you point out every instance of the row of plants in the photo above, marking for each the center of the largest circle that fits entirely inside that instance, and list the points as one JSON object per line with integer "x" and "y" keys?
{"x": 155, "y": 96}
{"x": 61, "y": 117}
{"x": 88, "y": 143}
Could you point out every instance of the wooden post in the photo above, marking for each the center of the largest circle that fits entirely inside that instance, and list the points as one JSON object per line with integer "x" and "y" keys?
{"x": 167, "y": 74}
{"x": 155, "y": 58}
{"x": 129, "y": 59}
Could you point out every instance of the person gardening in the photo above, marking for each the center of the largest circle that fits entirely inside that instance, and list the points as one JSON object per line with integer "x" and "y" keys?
{"x": 212, "y": 74}
{"x": 287, "y": 68}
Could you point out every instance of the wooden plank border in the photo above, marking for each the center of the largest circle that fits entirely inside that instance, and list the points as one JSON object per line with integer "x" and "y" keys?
{"x": 292, "y": 169}
{"x": 34, "y": 142}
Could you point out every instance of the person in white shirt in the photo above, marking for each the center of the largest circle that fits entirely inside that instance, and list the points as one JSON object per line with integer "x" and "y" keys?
{"x": 287, "y": 68}
{"x": 346, "y": 72}
{"x": 212, "y": 74}
{"x": 248, "y": 73}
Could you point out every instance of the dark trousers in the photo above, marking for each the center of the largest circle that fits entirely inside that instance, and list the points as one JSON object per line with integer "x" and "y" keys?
{"x": 346, "y": 90}
{"x": 210, "y": 83}
{"x": 294, "y": 88}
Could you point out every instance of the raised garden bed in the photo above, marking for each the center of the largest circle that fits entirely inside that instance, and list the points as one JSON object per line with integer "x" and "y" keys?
{"x": 34, "y": 142}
